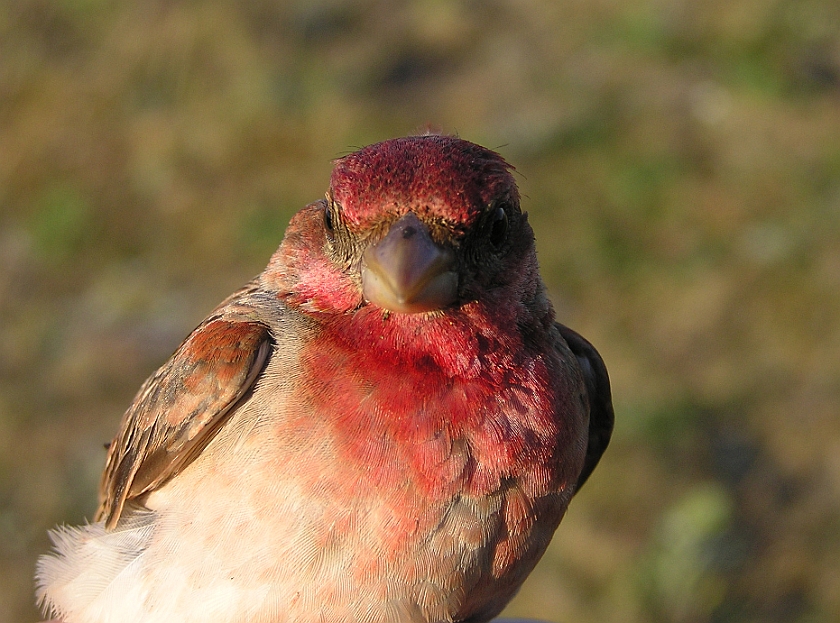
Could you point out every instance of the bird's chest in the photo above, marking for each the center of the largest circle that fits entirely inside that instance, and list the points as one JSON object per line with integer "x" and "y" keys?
{"x": 409, "y": 423}
{"x": 414, "y": 457}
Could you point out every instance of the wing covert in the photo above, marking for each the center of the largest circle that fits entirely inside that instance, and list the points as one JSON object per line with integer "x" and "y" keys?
{"x": 179, "y": 409}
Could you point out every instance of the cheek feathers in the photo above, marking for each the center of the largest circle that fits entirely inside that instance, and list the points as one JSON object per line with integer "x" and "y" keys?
{"x": 302, "y": 273}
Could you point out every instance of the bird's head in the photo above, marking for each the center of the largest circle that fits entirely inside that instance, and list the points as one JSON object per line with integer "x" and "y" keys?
{"x": 414, "y": 225}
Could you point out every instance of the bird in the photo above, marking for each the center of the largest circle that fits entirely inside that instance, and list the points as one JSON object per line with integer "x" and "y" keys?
{"x": 386, "y": 425}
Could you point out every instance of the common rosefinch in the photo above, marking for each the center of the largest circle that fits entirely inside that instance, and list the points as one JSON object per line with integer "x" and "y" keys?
{"x": 386, "y": 425}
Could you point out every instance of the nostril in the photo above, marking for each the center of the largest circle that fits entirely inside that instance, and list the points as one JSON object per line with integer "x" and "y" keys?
{"x": 408, "y": 232}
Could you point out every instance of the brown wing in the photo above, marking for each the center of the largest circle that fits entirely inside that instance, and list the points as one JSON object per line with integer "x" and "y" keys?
{"x": 597, "y": 381}
{"x": 180, "y": 408}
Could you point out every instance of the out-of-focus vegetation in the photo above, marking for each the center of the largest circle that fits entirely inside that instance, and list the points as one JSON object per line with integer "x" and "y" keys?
{"x": 681, "y": 164}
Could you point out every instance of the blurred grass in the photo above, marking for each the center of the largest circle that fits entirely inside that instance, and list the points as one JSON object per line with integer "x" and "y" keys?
{"x": 681, "y": 167}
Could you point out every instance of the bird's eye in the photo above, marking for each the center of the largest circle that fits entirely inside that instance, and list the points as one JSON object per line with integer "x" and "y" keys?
{"x": 328, "y": 221}
{"x": 498, "y": 227}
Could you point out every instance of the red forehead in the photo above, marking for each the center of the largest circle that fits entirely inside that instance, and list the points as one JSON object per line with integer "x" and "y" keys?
{"x": 440, "y": 177}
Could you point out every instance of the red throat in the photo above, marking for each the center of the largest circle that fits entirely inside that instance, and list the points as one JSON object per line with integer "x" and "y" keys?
{"x": 489, "y": 394}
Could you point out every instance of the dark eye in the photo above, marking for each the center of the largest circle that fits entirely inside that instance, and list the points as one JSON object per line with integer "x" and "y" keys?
{"x": 328, "y": 221}
{"x": 498, "y": 227}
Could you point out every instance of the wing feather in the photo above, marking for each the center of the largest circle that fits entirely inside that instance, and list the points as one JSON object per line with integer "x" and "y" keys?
{"x": 597, "y": 381}
{"x": 179, "y": 409}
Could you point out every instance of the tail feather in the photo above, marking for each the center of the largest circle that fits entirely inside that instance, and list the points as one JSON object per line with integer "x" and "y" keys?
{"x": 80, "y": 576}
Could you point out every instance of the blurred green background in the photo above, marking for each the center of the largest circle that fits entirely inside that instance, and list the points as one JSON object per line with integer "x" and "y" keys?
{"x": 681, "y": 164}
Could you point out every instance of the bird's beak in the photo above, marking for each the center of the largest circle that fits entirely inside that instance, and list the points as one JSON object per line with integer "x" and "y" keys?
{"x": 407, "y": 272}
